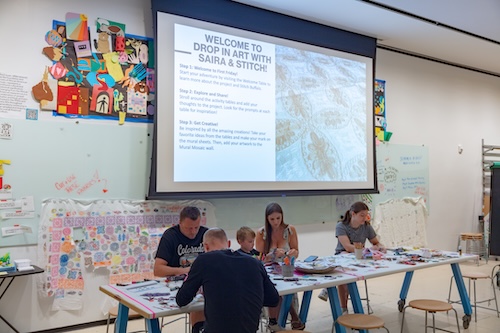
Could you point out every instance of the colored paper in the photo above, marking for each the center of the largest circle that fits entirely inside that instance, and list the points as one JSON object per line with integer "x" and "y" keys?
{"x": 113, "y": 66}
{"x": 102, "y": 99}
{"x": 380, "y": 135}
{"x": 77, "y": 26}
{"x": 67, "y": 99}
{"x": 83, "y": 49}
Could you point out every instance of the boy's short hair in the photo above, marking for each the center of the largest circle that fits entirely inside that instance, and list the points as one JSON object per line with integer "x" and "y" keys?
{"x": 244, "y": 232}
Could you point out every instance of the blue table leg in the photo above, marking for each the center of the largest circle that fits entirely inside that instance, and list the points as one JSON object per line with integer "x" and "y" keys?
{"x": 153, "y": 325}
{"x": 461, "y": 288}
{"x": 333, "y": 297}
{"x": 404, "y": 290}
{"x": 355, "y": 299}
{"x": 304, "y": 307}
{"x": 122, "y": 319}
{"x": 286, "y": 302}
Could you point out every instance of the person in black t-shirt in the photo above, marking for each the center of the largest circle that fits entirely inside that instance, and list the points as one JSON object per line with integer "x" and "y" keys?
{"x": 179, "y": 246}
{"x": 235, "y": 287}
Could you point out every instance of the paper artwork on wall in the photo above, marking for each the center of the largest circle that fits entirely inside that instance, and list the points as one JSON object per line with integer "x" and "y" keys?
{"x": 119, "y": 235}
{"x": 89, "y": 68}
{"x": 82, "y": 49}
{"x": 77, "y": 26}
{"x": 379, "y": 107}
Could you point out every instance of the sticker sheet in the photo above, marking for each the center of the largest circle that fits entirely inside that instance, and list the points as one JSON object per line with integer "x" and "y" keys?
{"x": 119, "y": 235}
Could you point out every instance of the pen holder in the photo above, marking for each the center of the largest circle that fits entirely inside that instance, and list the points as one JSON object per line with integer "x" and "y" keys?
{"x": 287, "y": 270}
{"x": 358, "y": 253}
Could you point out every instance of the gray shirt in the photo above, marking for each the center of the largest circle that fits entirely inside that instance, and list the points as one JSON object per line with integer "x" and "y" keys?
{"x": 360, "y": 234}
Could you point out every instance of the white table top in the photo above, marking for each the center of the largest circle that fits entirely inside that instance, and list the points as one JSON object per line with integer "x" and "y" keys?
{"x": 153, "y": 299}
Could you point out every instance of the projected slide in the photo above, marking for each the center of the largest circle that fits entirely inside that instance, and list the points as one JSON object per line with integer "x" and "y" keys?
{"x": 240, "y": 111}
{"x": 254, "y": 111}
{"x": 320, "y": 117}
{"x": 224, "y": 97}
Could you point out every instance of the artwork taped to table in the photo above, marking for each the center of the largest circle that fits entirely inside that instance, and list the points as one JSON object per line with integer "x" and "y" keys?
{"x": 120, "y": 235}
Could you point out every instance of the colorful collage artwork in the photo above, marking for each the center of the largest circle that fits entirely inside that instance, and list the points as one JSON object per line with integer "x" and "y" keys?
{"x": 379, "y": 107}
{"x": 99, "y": 72}
{"x": 119, "y": 235}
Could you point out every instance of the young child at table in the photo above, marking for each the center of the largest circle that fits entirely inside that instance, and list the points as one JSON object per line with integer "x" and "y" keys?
{"x": 246, "y": 238}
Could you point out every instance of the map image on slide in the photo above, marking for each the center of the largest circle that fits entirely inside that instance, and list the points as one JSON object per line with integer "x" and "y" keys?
{"x": 320, "y": 117}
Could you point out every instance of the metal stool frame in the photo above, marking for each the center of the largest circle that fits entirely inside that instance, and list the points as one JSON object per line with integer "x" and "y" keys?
{"x": 476, "y": 302}
{"x": 434, "y": 328}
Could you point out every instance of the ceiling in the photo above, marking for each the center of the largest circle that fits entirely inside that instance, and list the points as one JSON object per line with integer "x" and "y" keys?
{"x": 460, "y": 32}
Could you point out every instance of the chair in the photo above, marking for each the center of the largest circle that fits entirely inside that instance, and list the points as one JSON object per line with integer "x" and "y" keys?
{"x": 367, "y": 299}
{"x": 474, "y": 276}
{"x": 430, "y": 306}
{"x": 495, "y": 275}
{"x": 359, "y": 321}
{"x": 184, "y": 316}
{"x": 474, "y": 244}
{"x": 113, "y": 312}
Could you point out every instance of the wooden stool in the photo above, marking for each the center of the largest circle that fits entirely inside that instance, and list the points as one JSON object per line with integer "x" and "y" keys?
{"x": 113, "y": 312}
{"x": 359, "y": 321}
{"x": 474, "y": 276}
{"x": 432, "y": 306}
{"x": 474, "y": 244}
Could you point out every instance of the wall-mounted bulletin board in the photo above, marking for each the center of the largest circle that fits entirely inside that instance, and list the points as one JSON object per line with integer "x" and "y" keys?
{"x": 70, "y": 159}
{"x": 402, "y": 171}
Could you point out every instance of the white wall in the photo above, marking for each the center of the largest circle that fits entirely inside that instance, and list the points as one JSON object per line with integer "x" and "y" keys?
{"x": 23, "y": 26}
{"x": 441, "y": 107}
{"x": 427, "y": 103}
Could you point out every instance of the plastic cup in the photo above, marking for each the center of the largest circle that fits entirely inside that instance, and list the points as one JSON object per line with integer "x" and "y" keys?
{"x": 287, "y": 270}
{"x": 358, "y": 253}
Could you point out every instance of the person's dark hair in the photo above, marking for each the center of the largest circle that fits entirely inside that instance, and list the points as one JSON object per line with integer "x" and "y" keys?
{"x": 355, "y": 208}
{"x": 189, "y": 212}
{"x": 272, "y": 208}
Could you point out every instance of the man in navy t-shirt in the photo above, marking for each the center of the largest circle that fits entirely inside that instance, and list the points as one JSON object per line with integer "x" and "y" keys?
{"x": 179, "y": 246}
{"x": 235, "y": 286}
